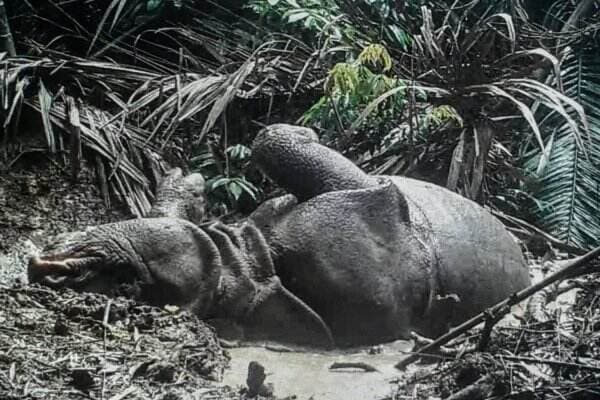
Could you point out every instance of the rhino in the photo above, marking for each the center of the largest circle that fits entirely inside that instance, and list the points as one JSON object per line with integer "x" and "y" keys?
{"x": 344, "y": 259}
{"x": 180, "y": 196}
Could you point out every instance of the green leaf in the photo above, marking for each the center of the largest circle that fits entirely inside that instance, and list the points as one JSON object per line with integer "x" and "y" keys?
{"x": 239, "y": 152}
{"x": 235, "y": 190}
{"x": 248, "y": 187}
{"x": 399, "y": 35}
{"x": 310, "y": 22}
{"x": 297, "y": 16}
{"x": 568, "y": 189}
{"x": 218, "y": 183}
{"x": 152, "y": 5}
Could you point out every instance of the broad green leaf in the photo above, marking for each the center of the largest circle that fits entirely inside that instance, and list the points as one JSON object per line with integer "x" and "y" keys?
{"x": 218, "y": 183}
{"x": 297, "y": 16}
{"x": 235, "y": 190}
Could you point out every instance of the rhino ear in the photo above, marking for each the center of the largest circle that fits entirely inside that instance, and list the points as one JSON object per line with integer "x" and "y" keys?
{"x": 281, "y": 316}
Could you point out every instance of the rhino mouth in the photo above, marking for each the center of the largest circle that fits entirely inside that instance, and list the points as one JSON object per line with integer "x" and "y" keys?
{"x": 70, "y": 270}
{"x": 83, "y": 272}
{"x": 78, "y": 260}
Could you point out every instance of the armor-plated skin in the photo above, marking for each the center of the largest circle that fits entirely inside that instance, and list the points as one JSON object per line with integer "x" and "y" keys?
{"x": 379, "y": 256}
{"x": 363, "y": 259}
{"x": 180, "y": 196}
{"x": 218, "y": 272}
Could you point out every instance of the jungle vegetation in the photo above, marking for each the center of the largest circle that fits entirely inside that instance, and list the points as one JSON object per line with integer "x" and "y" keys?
{"x": 498, "y": 100}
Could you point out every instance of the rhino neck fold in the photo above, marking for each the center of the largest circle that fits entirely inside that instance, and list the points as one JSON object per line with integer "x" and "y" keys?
{"x": 245, "y": 265}
{"x": 250, "y": 294}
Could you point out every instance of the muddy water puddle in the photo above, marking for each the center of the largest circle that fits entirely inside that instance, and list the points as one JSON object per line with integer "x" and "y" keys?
{"x": 307, "y": 374}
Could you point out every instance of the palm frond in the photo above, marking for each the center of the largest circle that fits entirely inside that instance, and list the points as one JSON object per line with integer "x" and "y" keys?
{"x": 569, "y": 180}
{"x": 117, "y": 143}
{"x": 474, "y": 63}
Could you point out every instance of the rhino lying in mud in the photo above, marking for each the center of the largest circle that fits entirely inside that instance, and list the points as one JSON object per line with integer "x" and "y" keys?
{"x": 346, "y": 258}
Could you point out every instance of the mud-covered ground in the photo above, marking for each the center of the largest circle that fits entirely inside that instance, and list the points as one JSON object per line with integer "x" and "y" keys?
{"x": 38, "y": 200}
{"x": 554, "y": 357}
{"x": 66, "y": 345}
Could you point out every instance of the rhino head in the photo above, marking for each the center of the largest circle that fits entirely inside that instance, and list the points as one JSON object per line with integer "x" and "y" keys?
{"x": 160, "y": 261}
{"x": 218, "y": 272}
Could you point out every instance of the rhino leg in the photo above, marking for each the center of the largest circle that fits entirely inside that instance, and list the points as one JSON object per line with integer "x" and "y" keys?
{"x": 252, "y": 294}
{"x": 305, "y": 168}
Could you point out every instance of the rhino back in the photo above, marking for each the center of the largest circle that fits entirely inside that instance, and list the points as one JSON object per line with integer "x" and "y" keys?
{"x": 351, "y": 256}
{"x": 373, "y": 261}
{"x": 477, "y": 257}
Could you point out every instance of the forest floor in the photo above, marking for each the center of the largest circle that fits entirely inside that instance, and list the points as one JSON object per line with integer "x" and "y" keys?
{"x": 556, "y": 356}
{"x": 67, "y": 345}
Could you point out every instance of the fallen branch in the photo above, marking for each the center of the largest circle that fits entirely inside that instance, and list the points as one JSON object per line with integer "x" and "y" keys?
{"x": 533, "y": 231}
{"x": 573, "y": 268}
{"x": 478, "y": 390}
{"x": 445, "y": 351}
{"x": 360, "y": 365}
{"x": 556, "y": 363}
{"x": 490, "y": 321}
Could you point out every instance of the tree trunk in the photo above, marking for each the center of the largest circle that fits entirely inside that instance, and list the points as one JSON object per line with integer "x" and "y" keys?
{"x": 482, "y": 136}
{"x": 6, "y": 40}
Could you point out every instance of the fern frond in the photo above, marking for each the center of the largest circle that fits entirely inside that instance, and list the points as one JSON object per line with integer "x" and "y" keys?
{"x": 569, "y": 180}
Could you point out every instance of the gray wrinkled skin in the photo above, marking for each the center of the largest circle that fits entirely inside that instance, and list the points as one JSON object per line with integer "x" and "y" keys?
{"x": 218, "y": 272}
{"x": 359, "y": 258}
{"x": 380, "y": 262}
{"x": 387, "y": 256}
{"x": 180, "y": 197}
{"x": 135, "y": 251}
{"x": 288, "y": 154}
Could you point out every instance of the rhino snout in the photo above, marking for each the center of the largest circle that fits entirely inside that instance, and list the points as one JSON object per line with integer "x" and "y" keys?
{"x": 47, "y": 272}
{"x": 55, "y": 270}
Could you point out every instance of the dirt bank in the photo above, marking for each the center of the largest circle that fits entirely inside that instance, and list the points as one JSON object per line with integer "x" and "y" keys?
{"x": 38, "y": 200}
{"x": 66, "y": 345}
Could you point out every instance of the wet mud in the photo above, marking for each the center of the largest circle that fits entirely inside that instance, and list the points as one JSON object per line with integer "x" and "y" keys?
{"x": 308, "y": 374}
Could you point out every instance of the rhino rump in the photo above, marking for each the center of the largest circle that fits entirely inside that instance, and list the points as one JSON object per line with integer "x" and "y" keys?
{"x": 380, "y": 262}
